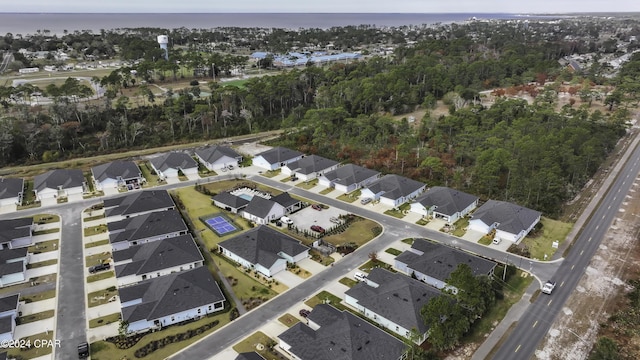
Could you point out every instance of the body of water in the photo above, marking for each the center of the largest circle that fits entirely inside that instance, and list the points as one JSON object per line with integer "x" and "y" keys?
{"x": 57, "y": 23}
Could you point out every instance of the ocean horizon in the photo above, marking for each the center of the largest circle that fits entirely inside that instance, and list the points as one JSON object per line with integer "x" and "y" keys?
{"x": 57, "y": 23}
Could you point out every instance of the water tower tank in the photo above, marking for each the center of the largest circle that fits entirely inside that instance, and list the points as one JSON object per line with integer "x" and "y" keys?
{"x": 163, "y": 40}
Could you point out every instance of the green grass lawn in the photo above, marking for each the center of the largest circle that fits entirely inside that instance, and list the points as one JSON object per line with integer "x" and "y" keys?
{"x": 359, "y": 232}
{"x": 369, "y": 265}
{"x": 101, "y": 297}
{"x": 540, "y": 243}
{"x": 35, "y": 317}
{"x": 96, "y": 243}
{"x": 308, "y": 184}
{"x": 29, "y": 199}
{"x": 350, "y": 197}
{"x": 257, "y": 342}
{"x": 244, "y": 286}
{"x": 348, "y": 282}
{"x": 152, "y": 180}
{"x": 33, "y": 352}
{"x": 94, "y": 230}
{"x": 96, "y": 259}
{"x": 100, "y": 276}
{"x": 44, "y": 246}
{"x": 393, "y": 251}
{"x": 399, "y": 211}
{"x": 104, "y": 320}
{"x": 325, "y": 297}
{"x": 44, "y": 295}
{"x": 45, "y": 218}
{"x": 408, "y": 241}
{"x": 103, "y": 350}
{"x": 326, "y": 191}
{"x": 288, "y": 320}
{"x": 271, "y": 173}
{"x": 42, "y": 264}
{"x": 460, "y": 227}
{"x": 486, "y": 240}
{"x": 422, "y": 222}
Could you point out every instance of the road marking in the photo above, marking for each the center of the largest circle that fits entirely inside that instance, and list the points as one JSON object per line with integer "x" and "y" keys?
{"x": 562, "y": 283}
{"x": 603, "y": 215}
{"x": 572, "y": 266}
{"x": 535, "y": 323}
{"x": 581, "y": 252}
{"x": 597, "y": 227}
{"x": 518, "y": 348}
{"x": 549, "y": 303}
{"x": 609, "y": 208}
{"x": 590, "y": 239}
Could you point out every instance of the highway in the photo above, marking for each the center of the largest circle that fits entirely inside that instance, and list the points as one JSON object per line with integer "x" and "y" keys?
{"x": 536, "y": 322}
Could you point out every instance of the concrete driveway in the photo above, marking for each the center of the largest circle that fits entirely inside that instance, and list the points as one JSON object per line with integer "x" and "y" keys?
{"x": 110, "y": 191}
{"x": 35, "y": 327}
{"x": 8, "y": 209}
{"x": 41, "y": 271}
{"x": 75, "y": 197}
{"x": 306, "y": 217}
{"x": 288, "y": 278}
{"x": 38, "y": 306}
{"x": 48, "y": 202}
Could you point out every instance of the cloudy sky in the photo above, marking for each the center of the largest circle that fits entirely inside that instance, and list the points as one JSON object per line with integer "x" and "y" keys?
{"x": 327, "y": 6}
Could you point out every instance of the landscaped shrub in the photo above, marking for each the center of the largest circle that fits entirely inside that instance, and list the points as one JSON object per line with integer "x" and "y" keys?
{"x": 159, "y": 344}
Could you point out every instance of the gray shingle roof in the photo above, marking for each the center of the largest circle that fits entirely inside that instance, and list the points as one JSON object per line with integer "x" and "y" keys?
{"x": 145, "y": 226}
{"x": 249, "y": 356}
{"x": 398, "y": 298}
{"x": 138, "y": 202}
{"x": 285, "y": 199}
{"x": 350, "y": 174}
{"x": 157, "y": 255}
{"x": 233, "y": 201}
{"x": 212, "y": 154}
{"x": 12, "y": 254}
{"x": 174, "y": 160}
{"x": 9, "y": 303}
{"x": 394, "y": 186}
{"x": 259, "y": 206}
{"x": 262, "y": 245}
{"x": 279, "y": 154}
{"x": 52, "y": 179}
{"x": 511, "y": 218}
{"x": 341, "y": 336}
{"x": 310, "y": 164}
{"x": 10, "y": 187}
{"x": 447, "y": 201}
{"x": 170, "y": 294}
{"x": 439, "y": 261}
{"x": 15, "y": 229}
{"x": 116, "y": 170}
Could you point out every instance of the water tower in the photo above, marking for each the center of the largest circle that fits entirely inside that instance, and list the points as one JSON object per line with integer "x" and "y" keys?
{"x": 163, "y": 40}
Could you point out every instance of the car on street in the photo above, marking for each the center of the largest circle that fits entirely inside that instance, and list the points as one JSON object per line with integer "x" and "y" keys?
{"x": 316, "y": 207}
{"x": 317, "y": 228}
{"x": 100, "y": 267}
{"x": 365, "y": 201}
{"x": 304, "y": 313}
{"x": 548, "y": 287}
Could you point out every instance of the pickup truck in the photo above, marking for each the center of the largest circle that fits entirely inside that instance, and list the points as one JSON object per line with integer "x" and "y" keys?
{"x": 548, "y": 287}
{"x": 83, "y": 350}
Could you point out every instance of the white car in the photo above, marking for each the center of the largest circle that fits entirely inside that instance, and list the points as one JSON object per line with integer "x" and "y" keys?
{"x": 286, "y": 220}
{"x": 548, "y": 287}
{"x": 360, "y": 276}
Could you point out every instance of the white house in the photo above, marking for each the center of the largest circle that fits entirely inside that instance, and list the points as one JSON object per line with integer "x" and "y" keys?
{"x": 262, "y": 211}
{"x": 8, "y": 315}
{"x": 155, "y": 303}
{"x": 393, "y": 190}
{"x": 331, "y": 334}
{"x": 444, "y": 203}
{"x": 264, "y": 249}
{"x": 137, "y": 203}
{"x": 11, "y": 191}
{"x": 16, "y": 233}
{"x": 116, "y": 174}
{"x": 348, "y": 178}
{"x": 433, "y": 263}
{"x": 276, "y": 157}
{"x": 289, "y": 203}
{"x": 146, "y": 228}
{"x": 13, "y": 266}
{"x": 170, "y": 164}
{"x": 511, "y": 222}
{"x": 218, "y": 157}
{"x": 60, "y": 183}
{"x": 394, "y": 301}
{"x": 309, "y": 167}
{"x": 157, "y": 258}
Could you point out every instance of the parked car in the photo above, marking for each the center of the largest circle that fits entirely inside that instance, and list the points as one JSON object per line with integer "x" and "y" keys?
{"x": 100, "y": 267}
{"x": 286, "y": 220}
{"x": 230, "y": 167}
{"x": 365, "y": 201}
{"x": 83, "y": 350}
{"x": 359, "y": 276}
{"x": 316, "y": 207}
{"x": 304, "y": 313}
{"x": 496, "y": 241}
{"x": 294, "y": 178}
{"x": 335, "y": 220}
{"x": 548, "y": 287}
{"x": 317, "y": 228}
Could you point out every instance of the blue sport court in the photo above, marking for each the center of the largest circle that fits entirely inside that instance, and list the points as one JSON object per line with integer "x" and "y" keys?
{"x": 220, "y": 225}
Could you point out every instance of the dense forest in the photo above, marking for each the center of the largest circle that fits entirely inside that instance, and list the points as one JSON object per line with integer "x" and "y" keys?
{"x": 531, "y": 154}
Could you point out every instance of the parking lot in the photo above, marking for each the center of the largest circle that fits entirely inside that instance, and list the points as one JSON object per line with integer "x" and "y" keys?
{"x": 308, "y": 216}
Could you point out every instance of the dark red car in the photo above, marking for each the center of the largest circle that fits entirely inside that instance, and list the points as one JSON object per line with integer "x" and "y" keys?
{"x": 317, "y": 228}
{"x": 304, "y": 313}
{"x": 316, "y": 207}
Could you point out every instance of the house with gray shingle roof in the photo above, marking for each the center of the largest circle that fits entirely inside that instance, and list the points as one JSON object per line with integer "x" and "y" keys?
{"x": 117, "y": 174}
{"x": 276, "y": 158}
{"x": 146, "y": 228}
{"x": 262, "y": 211}
{"x": 8, "y": 315}
{"x": 332, "y": 334}
{"x": 264, "y": 249}
{"x": 348, "y": 178}
{"x": 170, "y": 299}
{"x": 444, "y": 203}
{"x": 249, "y": 356}
{"x": 394, "y": 301}
{"x": 309, "y": 167}
{"x": 13, "y": 266}
{"x": 137, "y": 203}
{"x": 59, "y": 183}
{"x": 11, "y": 191}
{"x": 218, "y": 157}
{"x": 157, "y": 258}
{"x": 168, "y": 165}
{"x": 289, "y": 203}
{"x": 433, "y": 263}
{"x": 510, "y": 221}
{"x": 393, "y": 190}
{"x": 229, "y": 202}
{"x": 16, "y": 233}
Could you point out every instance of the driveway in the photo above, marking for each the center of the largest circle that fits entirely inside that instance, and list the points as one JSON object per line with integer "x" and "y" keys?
{"x": 38, "y": 306}
{"x": 8, "y": 209}
{"x": 35, "y": 327}
{"x": 48, "y": 202}
{"x": 311, "y": 266}
{"x": 288, "y": 278}
{"x": 111, "y": 191}
{"x": 103, "y": 332}
{"x": 306, "y": 217}
{"x": 41, "y": 271}
{"x": 75, "y": 198}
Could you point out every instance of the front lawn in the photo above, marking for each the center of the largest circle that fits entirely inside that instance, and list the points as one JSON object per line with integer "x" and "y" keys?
{"x": 35, "y": 317}
{"x": 325, "y": 297}
{"x": 258, "y": 342}
{"x": 348, "y": 282}
{"x": 96, "y": 259}
{"x": 96, "y": 243}
{"x": 308, "y": 184}
{"x": 94, "y": 230}
{"x": 288, "y": 320}
{"x": 371, "y": 264}
{"x": 326, "y": 191}
{"x": 42, "y": 264}
{"x": 44, "y": 246}
{"x": 41, "y": 219}
{"x": 400, "y": 211}
{"x": 148, "y": 174}
{"x": 460, "y": 227}
{"x": 100, "y": 276}
{"x": 244, "y": 286}
{"x": 33, "y": 352}
{"x": 350, "y": 197}
{"x": 394, "y": 252}
{"x": 271, "y": 173}
{"x": 104, "y": 320}
{"x": 359, "y": 232}
{"x": 44, "y": 295}
{"x": 540, "y": 241}
{"x": 101, "y": 297}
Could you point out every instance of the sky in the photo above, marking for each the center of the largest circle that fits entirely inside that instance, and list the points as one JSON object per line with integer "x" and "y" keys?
{"x": 324, "y": 6}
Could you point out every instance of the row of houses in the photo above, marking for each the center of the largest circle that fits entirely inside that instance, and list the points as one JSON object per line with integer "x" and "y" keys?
{"x": 158, "y": 266}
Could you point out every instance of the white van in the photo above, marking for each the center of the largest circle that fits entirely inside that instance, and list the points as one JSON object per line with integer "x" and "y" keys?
{"x": 286, "y": 220}
{"x": 360, "y": 276}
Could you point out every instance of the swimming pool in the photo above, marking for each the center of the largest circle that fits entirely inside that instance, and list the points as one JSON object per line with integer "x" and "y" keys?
{"x": 246, "y": 196}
